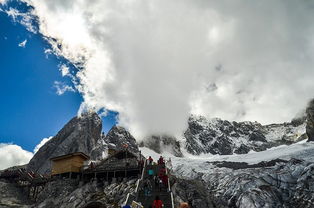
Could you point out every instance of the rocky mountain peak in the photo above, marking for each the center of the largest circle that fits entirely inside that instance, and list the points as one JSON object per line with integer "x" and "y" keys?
{"x": 217, "y": 136}
{"x": 80, "y": 134}
{"x": 118, "y": 136}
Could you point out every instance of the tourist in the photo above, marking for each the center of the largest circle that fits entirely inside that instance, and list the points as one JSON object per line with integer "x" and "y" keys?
{"x": 165, "y": 181}
{"x": 158, "y": 182}
{"x": 157, "y": 203}
{"x": 162, "y": 172}
{"x": 150, "y": 174}
{"x": 161, "y": 161}
{"x": 150, "y": 160}
{"x": 147, "y": 188}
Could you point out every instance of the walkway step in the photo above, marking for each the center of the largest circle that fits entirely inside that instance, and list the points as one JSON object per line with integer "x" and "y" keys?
{"x": 164, "y": 195}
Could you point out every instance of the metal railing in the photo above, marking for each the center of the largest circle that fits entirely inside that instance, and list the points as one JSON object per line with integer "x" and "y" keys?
{"x": 169, "y": 189}
{"x": 137, "y": 185}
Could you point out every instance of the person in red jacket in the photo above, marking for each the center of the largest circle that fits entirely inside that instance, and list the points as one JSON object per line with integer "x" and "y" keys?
{"x": 161, "y": 161}
{"x": 150, "y": 160}
{"x": 157, "y": 203}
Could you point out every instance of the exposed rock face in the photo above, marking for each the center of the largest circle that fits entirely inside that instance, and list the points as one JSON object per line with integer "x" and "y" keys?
{"x": 11, "y": 196}
{"x": 217, "y": 136}
{"x": 80, "y": 134}
{"x": 116, "y": 139}
{"x": 119, "y": 136}
{"x": 67, "y": 193}
{"x": 159, "y": 143}
{"x": 310, "y": 121}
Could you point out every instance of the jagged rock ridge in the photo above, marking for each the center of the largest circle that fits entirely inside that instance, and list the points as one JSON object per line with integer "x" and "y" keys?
{"x": 116, "y": 139}
{"x": 222, "y": 137}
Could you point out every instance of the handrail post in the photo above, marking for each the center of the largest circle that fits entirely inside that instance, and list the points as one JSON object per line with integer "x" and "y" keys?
{"x": 137, "y": 185}
{"x": 169, "y": 189}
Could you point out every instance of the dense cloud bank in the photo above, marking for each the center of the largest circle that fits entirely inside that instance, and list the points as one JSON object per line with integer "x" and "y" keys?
{"x": 155, "y": 62}
{"x": 11, "y": 155}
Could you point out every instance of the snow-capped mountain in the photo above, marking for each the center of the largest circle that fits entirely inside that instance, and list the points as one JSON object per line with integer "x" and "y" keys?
{"x": 222, "y": 137}
{"x": 217, "y": 164}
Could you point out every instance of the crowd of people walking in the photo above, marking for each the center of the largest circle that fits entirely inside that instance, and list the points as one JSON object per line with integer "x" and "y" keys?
{"x": 156, "y": 183}
{"x": 160, "y": 180}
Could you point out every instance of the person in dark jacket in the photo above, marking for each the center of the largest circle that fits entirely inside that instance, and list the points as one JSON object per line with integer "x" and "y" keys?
{"x": 147, "y": 187}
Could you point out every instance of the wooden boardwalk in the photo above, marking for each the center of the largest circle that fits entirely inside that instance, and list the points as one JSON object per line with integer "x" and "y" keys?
{"x": 33, "y": 183}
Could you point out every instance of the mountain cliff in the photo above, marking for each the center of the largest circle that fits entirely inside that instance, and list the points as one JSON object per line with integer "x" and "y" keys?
{"x": 80, "y": 134}
{"x": 117, "y": 138}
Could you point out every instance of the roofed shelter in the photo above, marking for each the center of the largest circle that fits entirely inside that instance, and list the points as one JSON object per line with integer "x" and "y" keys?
{"x": 70, "y": 163}
{"x": 122, "y": 164}
{"x": 119, "y": 160}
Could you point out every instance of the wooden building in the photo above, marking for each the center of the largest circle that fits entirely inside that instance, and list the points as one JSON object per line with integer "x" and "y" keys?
{"x": 70, "y": 163}
{"x": 119, "y": 160}
{"x": 122, "y": 164}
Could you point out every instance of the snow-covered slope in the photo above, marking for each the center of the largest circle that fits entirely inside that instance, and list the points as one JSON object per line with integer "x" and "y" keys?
{"x": 277, "y": 177}
{"x": 204, "y": 163}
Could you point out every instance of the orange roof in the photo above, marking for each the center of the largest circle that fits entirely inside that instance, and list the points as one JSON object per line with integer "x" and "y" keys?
{"x": 70, "y": 155}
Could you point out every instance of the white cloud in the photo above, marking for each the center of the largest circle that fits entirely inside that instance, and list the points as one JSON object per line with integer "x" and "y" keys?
{"x": 62, "y": 88}
{"x": 12, "y": 155}
{"x": 64, "y": 69}
{"x": 152, "y": 61}
{"x": 42, "y": 142}
{"x": 25, "y": 19}
{"x": 23, "y": 43}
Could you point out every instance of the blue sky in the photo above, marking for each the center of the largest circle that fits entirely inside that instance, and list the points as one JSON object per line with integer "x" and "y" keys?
{"x": 30, "y": 108}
